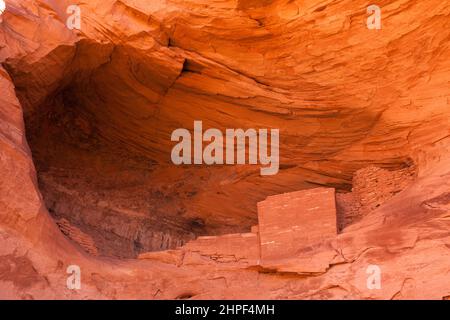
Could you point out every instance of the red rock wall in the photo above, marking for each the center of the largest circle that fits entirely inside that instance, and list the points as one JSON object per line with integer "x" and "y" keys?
{"x": 293, "y": 225}
{"x": 343, "y": 96}
{"x": 84, "y": 240}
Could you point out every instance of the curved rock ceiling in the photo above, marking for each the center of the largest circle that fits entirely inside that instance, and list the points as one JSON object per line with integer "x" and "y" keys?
{"x": 86, "y": 118}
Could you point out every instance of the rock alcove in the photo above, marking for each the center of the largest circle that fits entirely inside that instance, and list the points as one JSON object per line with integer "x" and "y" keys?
{"x": 357, "y": 109}
{"x": 101, "y": 149}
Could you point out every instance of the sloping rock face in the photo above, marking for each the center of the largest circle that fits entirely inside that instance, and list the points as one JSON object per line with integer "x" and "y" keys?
{"x": 86, "y": 178}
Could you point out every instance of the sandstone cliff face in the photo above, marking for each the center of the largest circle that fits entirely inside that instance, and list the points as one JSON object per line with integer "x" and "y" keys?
{"x": 85, "y": 123}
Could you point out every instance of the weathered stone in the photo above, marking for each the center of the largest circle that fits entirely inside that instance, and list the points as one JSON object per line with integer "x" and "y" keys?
{"x": 296, "y": 230}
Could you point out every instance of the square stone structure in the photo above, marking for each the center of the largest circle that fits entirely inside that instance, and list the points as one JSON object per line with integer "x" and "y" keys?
{"x": 296, "y": 231}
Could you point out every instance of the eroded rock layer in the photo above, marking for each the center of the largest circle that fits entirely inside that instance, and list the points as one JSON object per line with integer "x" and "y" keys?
{"x": 86, "y": 178}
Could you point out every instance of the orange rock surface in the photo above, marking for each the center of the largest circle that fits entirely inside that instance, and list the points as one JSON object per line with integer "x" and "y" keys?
{"x": 86, "y": 178}
{"x": 296, "y": 230}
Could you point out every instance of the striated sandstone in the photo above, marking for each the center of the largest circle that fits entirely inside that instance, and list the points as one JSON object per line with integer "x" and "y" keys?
{"x": 84, "y": 240}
